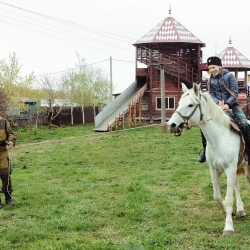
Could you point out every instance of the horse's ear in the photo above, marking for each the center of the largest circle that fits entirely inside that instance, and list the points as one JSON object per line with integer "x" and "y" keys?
{"x": 196, "y": 88}
{"x": 184, "y": 87}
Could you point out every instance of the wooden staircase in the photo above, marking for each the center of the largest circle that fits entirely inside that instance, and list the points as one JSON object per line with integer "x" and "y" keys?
{"x": 176, "y": 68}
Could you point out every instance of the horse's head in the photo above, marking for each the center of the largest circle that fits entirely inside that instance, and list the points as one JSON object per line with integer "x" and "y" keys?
{"x": 188, "y": 111}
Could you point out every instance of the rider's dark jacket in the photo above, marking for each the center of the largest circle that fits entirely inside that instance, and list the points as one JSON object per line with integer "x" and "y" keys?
{"x": 218, "y": 91}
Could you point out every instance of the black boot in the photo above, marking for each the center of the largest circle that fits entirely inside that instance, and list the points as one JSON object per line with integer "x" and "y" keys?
{"x": 8, "y": 199}
{"x": 1, "y": 205}
{"x": 246, "y": 135}
{"x": 202, "y": 156}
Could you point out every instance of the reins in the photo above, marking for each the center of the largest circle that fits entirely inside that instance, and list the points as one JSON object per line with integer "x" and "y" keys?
{"x": 186, "y": 118}
{"x": 194, "y": 124}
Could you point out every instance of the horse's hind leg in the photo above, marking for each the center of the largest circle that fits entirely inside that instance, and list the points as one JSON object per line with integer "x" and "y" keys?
{"x": 240, "y": 206}
{"x": 227, "y": 204}
{"x": 232, "y": 184}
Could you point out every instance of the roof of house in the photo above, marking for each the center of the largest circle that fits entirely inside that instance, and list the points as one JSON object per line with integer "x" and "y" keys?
{"x": 169, "y": 31}
{"x": 59, "y": 102}
{"x": 232, "y": 58}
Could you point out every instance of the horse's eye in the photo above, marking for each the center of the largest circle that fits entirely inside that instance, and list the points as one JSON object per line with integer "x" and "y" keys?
{"x": 190, "y": 105}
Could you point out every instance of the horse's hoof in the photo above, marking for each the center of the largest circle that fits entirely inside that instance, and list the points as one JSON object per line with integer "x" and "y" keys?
{"x": 241, "y": 214}
{"x": 227, "y": 232}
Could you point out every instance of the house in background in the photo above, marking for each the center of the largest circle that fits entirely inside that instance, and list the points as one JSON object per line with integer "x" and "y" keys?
{"x": 179, "y": 52}
{"x": 170, "y": 47}
{"x": 32, "y": 111}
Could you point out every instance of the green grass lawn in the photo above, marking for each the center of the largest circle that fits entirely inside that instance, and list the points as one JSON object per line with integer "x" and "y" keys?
{"x": 130, "y": 189}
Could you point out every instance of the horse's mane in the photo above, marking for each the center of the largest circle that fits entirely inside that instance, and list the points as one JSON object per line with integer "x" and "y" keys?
{"x": 212, "y": 109}
{"x": 216, "y": 112}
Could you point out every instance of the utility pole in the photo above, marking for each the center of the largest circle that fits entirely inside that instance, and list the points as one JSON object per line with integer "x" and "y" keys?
{"x": 111, "y": 80}
{"x": 163, "y": 101}
{"x": 135, "y": 64}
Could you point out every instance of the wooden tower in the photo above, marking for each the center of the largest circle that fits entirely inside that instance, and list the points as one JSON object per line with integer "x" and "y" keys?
{"x": 171, "y": 47}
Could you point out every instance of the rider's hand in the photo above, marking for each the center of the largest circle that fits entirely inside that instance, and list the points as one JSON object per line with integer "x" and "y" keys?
{"x": 11, "y": 144}
{"x": 225, "y": 107}
{"x": 221, "y": 103}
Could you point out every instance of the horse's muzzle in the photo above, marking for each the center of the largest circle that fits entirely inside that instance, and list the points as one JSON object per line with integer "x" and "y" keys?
{"x": 176, "y": 130}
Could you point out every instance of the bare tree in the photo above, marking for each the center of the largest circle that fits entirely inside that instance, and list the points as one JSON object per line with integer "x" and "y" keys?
{"x": 81, "y": 85}
{"x": 89, "y": 86}
{"x": 52, "y": 88}
{"x": 69, "y": 83}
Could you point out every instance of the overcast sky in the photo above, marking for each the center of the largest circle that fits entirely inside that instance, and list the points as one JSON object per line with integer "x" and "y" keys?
{"x": 47, "y": 35}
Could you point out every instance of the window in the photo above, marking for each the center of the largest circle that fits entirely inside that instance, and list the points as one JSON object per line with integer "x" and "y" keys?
{"x": 169, "y": 102}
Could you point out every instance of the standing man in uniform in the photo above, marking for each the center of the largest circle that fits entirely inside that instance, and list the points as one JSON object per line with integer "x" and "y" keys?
{"x": 7, "y": 137}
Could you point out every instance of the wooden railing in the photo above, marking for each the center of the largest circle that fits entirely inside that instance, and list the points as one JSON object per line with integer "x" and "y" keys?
{"x": 176, "y": 68}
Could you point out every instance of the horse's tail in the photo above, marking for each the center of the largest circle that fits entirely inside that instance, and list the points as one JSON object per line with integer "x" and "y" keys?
{"x": 242, "y": 171}
{"x": 248, "y": 173}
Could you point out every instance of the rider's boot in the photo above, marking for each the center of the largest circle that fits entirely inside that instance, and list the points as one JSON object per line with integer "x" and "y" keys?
{"x": 202, "y": 156}
{"x": 245, "y": 129}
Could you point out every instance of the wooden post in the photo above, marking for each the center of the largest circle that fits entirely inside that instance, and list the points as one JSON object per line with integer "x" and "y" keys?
{"x": 116, "y": 123}
{"x": 140, "y": 109}
{"x": 129, "y": 114}
{"x": 246, "y": 87}
{"x": 123, "y": 119}
{"x": 150, "y": 93}
{"x": 162, "y": 80}
{"x": 245, "y": 78}
{"x": 134, "y": 114}
{"x": 110, "y": 128}
{"x": 179, "y": 79}
{"x": 199, "y": 62}
{"x": 163, "y": 102}
{"x": 236, "y": 74}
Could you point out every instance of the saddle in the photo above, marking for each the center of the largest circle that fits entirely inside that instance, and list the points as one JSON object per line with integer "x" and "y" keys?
{"x": 235, "y": 121}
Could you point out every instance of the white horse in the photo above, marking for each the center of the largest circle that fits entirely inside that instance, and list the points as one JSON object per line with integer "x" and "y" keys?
{"x": 223, "y": 146}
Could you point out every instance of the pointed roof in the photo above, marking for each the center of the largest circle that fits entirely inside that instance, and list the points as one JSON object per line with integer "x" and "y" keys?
{"x": 232, "y": 58}
{"x": 169, "y": 31}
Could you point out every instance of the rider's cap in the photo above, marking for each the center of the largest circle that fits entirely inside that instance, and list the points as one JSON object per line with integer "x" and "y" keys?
{"x": 214, "y": 60}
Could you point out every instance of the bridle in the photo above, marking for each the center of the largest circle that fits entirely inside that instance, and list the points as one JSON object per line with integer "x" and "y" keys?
{"x": 186, "y": 118}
